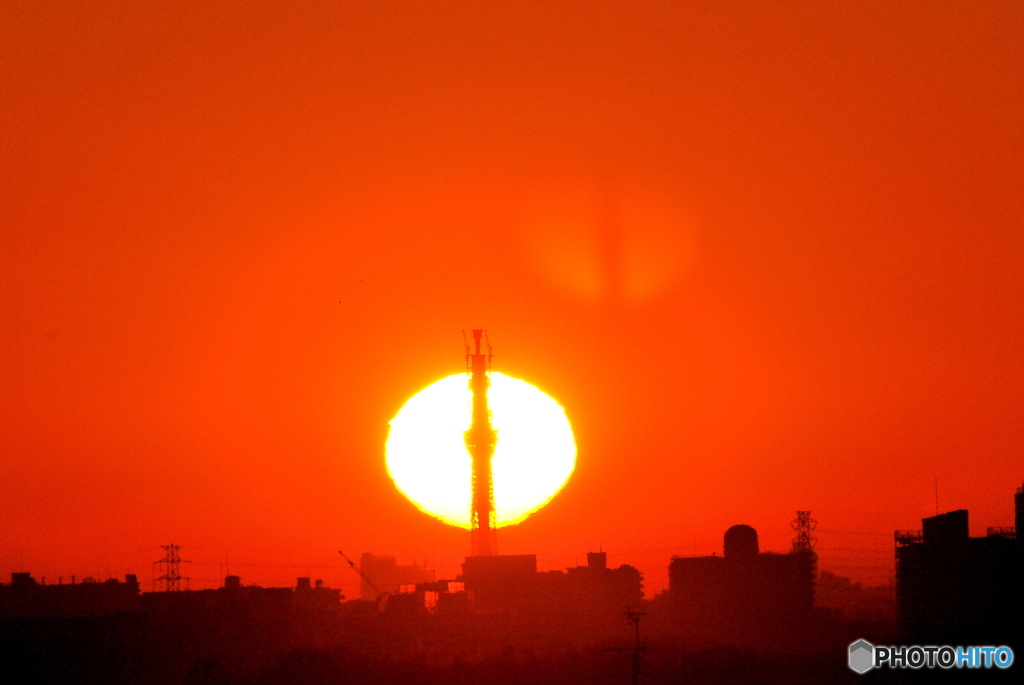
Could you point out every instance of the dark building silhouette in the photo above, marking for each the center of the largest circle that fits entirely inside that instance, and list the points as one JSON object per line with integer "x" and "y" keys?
{"x": 108, "y": 632}
{"x": 1018, "y": 518}
{"x": 952, "y": 587}
{"x": 595, "y": 588}
{"x": 506, "y": 600}
{"x": 854, "y": 601}
{"x": 501, "y": 582}
{"x": 25, "y": 597}
{"x": 500, "y": 605}
{"x": 388, "y": 575}
{"x": 741, "y": 543}
{"x": 512, "y": 583}
{"x": 743, "y": 596}
{"x": 239, "y": 623}
{"x": 499, "y": 601}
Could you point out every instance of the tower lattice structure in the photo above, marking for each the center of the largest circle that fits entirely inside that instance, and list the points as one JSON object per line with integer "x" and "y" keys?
{"x": 803, "y": 524}
{"x": 171, "y": 567}
{"x": 481, "y": 439}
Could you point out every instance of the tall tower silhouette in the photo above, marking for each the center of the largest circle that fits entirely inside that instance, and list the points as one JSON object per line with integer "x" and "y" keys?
{"x": 171, "y": 564}
{"x": 803, "y": 541}
{"x": 480, "y": 441}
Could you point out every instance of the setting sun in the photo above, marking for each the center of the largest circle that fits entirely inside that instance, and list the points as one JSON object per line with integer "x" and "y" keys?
{"x": 428, "y": 460}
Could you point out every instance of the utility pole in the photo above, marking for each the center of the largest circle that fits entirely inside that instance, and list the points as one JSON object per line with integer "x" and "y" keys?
{"x": 638, "y": 647}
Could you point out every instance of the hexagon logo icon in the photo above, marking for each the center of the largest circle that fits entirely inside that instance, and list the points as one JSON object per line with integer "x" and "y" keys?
{"x": 862, "y": 656}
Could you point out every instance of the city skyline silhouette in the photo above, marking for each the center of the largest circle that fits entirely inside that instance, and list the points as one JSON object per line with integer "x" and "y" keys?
{"x": 767, "y": 259}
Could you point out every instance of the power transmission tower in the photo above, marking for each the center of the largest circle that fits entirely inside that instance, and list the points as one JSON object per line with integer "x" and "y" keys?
{"x": 171, "y": 566}
{"x": 803, "y": 524}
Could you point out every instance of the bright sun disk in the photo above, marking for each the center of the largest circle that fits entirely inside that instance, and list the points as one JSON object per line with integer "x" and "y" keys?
{"x": 429, "y": 463}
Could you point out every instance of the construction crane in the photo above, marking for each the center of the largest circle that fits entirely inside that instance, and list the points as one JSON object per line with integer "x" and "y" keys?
{"x": 366, "y": 578}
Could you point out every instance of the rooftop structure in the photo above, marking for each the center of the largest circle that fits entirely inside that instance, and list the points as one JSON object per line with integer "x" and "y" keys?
{"x": 739, "y": 596}
{"x": 951, "y": 586}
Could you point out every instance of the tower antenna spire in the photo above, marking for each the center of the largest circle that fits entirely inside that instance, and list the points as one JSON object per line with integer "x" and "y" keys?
{"x": 480, "y": 441}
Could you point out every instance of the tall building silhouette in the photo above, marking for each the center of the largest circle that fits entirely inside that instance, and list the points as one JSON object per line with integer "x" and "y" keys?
{"x": 1018, "y": 519}
{"x": 953, "y": 587}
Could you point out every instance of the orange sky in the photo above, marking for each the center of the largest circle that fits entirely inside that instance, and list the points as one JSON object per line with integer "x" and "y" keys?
{"x": 768, "y": 259}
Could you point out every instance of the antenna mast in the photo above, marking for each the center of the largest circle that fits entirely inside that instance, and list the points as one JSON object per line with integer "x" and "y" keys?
{"x": 480, "y": 441}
